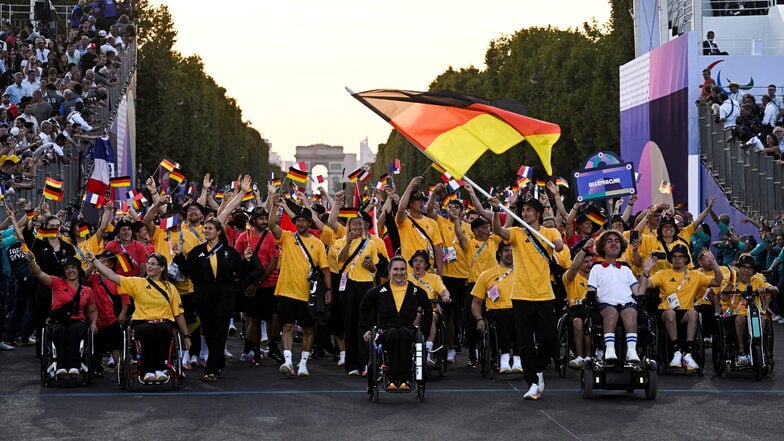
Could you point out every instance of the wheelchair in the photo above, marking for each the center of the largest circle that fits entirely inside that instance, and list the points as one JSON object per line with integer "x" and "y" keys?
{"x": 663, "y": 355}
{"x": 129, "y": 372}
{"x": 565, "y": 349}
{"x": 759, "y": 339}
{"x": 616, "y": 374}
{"x": 377, "y": 368}
{"x": 49, "y": 359}
{"x": 439, "y": 349}
{"x": 488, "y": 352}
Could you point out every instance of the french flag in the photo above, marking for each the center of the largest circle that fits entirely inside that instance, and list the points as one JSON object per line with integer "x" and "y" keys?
{"x": 98, "y": 182}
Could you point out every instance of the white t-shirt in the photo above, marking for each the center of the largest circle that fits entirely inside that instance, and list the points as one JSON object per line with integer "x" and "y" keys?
{"x": 612, "y": 284}
{"x": 729, "y": 112}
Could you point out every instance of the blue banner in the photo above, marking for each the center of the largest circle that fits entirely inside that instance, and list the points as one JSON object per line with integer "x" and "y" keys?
{"x": 607, "y": 182}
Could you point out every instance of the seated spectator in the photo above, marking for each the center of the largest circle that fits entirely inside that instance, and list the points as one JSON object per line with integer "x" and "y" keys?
{"x": 709, "y": 47}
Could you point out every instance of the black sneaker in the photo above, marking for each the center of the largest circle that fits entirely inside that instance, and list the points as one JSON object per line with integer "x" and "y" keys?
{"x": 275, "y": 354}
{"x": 256, "y": 360}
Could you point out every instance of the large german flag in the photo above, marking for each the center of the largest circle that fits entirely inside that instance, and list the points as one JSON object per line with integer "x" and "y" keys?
{"x": 455, "y": 130}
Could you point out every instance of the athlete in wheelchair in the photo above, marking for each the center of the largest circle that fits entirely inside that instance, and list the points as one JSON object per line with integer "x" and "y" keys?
{"x": 746, "y": 340}
{"x": 574, "y": 343}
{"x": 152, "y": 347}
{"x": 612, "y": 292}
{"x": 679, "y": 287}
{"x": 493, "y": 290}
{"x": 436, "y": 291}
{"x": 388, "y": 321}
{"x": 67, "y": 340}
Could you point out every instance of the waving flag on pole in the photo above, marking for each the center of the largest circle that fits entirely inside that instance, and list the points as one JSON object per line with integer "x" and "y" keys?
{"x": 98, "y": 182}
{"x": 455, "y": 130}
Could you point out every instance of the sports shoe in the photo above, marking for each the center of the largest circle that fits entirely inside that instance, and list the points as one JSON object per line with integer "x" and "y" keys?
{"x": 110, "y": 362}
{"x": 776, "y": 318}
{"x": 246, "y": 356}
{"x": 286, "y": 369}
{"x": 149, "y": 377}
{"x": 403, "y": 386}
{"x": 232, "y": 328}
{"x": 32, "y": 340}
{"x": 780, "y": 321}
{"x": 342, "y": 358}
{"x": 391, "y": 386}
{"x": 161, "y": 376}
{"x": 677, "y": 359}
{"x": 576, "y": 362}
{"x": 256, "y": 362}
{"x": 73, "y": 371}
{"x": 450, "y": 356}
{"x": 194, "y": 361}
{"x": 533, "y": 393}
{"x": 743, "y": 360}
{"x": 504, "y": 367}
{"x": 540, "y": 375}
{"x": 631, "y": 355}
{"x": 609, "y": 354}
{"x": 202, "y": 361}
{"x": 209, "y": 378}
{"x": 353, "y": 373}
{"x": 61, "y": 371}
{"x": 302, "y": 370}
{"x": 227, "y": 354}
{"x": 517, "y": 364}
{"x": 689, "y": 363}
{"x": 275, "y": 354}
{"x": 5, "y": 347}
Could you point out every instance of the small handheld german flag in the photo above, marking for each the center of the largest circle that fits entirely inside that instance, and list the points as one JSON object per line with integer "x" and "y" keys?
{"x": 44, "y": 233}
{"x": 169, "y": 165}
{"x": 176, "y": 176}
{"x": 54, "y": 194}
{"x": 348, "y": 213}
{"x": 84, "y": 230}
{"x": 297, "y": 175}
{"x": 120, "y": 182}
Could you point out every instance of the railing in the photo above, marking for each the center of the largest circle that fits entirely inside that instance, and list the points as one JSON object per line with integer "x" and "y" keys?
{"x": 19, "y": 15}
{"x": 752, "y": 182}
{"x": 714, "y": 8}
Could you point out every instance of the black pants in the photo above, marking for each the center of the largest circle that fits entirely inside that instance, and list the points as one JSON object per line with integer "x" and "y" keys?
{"x": 23, "y": 304}
{"x": 531, "y": 319}
{"x": 42, "y": 305}
{"x": 215, "y": 303}
{"x": 397, "y": 343}
{"x": 469, "y": 322}
{"x": 356, "y": 347}
{"x": 457, "y": 292}
{"x": 154, "y": 339}
{"x": 189, "y": 312}
{"x": 504, "y": 327}
{"x": 66, "y": 338}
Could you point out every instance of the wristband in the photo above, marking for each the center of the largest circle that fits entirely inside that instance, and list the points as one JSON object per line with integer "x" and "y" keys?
{"x": 647, "y": 276}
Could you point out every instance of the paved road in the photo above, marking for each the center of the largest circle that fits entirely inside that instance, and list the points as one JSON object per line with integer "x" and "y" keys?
{"x": 259, "y": 403}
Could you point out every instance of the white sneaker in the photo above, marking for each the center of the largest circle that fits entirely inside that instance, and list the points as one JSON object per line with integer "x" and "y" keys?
{"x": 227, "y": 354}
{"x": 631, "y": 355}
{"x": 73, "y": 371}
{"x": 576, "y": 362}
{"x": 286, "y": 369}
{"x": 780, "y": 321}
{"x": 609, "y": 354}
{"x": 450, "y": 356}
{"x": 504, "y": 368}
{"x": 776, "y": 318}
{"x": 161, "y": 376}
{"x": 541, "y": 381}
{"x": 149, "y": 377}
{"x": 342, "y": 358}
{"x": 677, "y": 359}
{"x": 533, "y": 393}
{"x": 430, "y": 361}
{"x": 232, "y": 327}
{"x": 247, "y": 357}
{"x": 5, "y": 347}
{"x": 743, "y": 360}
{"x": 689, "y": 363}
{"x": 302, "y": 371}
{"x": 354, "y": 373}
{"x": 61, "y": 371}
{"x": 517, "y": 364}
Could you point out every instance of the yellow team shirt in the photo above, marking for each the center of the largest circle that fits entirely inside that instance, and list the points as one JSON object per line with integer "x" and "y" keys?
{"x": 686, "y": 285}
{"x": 481, "y": 256}
{"x": 650, "y": 244}
{"x": 328, "y": 238}
{"x": 192, "y": 236}
{"x": 532, "y": 270}
{"x": 295, "y": 266}
{"x": 411, "y": 239}
{"x": 459, "y": 267}
{"x": 503, "y": 280}
{"x": 149, "y": 302}
{"x": 355, "y": 270}
{"x": 735, "y": 305}
{"x": 93, "y": 244}
{"x": 398, "y": 294}
{"x": 431, "y": 283}
{"x": 728, "y": 276}
{"x": 576, "y": 289}
{"x": 162, "y": 241}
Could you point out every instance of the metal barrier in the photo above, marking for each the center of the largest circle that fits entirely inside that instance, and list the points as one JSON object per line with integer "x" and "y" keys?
{"x": 751, "y": 181}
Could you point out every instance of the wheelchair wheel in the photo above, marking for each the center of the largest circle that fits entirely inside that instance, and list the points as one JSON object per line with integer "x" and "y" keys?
{"x": 373, "y": 369}
{"x": 586, "y": 380}
{"x": 121, "y": 368}
{"x": 175, "y": 357}
{"x": 767, "y": 345}
{"x": 87, "y": 352}
{"x": 651, "y": 387}
{"x": 440, "y": 342}
{"x": 698, "y": 351}
{"x": 46, "y": 358}
{"x": 484, "y": 354}
{"x": 719, "y": 348}
{"x": 420, "y": 391}
{"x": 563, "y": 348}
{"x": 756, "y": 356}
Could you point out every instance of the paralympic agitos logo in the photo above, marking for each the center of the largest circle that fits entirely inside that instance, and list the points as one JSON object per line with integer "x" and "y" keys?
{"x": 746, "y": 86}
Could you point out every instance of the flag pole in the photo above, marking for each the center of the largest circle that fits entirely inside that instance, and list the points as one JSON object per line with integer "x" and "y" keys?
{"x": 509, "y": 212}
